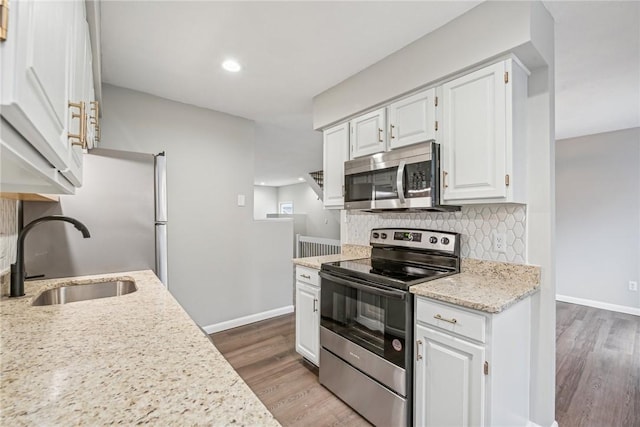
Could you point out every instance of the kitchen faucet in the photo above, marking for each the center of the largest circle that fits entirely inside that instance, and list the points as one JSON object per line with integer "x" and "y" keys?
{"x": 17, "y": 269}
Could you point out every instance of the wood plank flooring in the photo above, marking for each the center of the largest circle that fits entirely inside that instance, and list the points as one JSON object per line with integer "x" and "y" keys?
{"x": 597, "y": 367}
{"x": 264, "y": 355}
{"x": 597, "y": 371}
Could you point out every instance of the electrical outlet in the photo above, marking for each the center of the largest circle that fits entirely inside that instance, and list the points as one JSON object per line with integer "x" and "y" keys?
{"x": 499, "y": 242}
{"x": 633, "y": 286}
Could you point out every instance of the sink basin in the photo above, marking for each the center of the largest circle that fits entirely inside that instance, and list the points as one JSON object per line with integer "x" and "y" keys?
{"x": 74, "y": 293}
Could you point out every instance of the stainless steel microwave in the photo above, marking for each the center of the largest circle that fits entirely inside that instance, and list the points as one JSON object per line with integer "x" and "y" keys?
{"x": 406, "y": 179}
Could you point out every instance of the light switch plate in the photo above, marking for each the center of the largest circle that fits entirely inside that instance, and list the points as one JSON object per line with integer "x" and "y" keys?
{"x": 241, "y": 200}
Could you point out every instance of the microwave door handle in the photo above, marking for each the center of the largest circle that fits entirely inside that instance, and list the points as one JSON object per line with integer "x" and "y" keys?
{"x": 367, "y": 288}
{"x": 400, "y": 180}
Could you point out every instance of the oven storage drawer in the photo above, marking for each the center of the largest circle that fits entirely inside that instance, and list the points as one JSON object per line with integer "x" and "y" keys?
{"x": 451, "y": 319}
{"x": 378, "y": 404}
{"x": 307, "y": 275}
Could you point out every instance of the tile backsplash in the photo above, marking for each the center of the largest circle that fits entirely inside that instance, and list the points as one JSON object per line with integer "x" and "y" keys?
{"x": 8, "y": 233}
{"x": 477, "y": 224}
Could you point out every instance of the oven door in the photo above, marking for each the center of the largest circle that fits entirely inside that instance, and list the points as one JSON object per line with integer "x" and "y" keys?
{"x": 370, "y": 316}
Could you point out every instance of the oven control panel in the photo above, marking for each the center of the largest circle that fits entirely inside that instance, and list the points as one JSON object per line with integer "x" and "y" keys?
{"x": 416, "y": 238}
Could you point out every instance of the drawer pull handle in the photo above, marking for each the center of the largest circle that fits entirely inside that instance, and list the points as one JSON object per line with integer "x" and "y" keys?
{"x": 305, "y": 276}
{"x": 418, "y": 355}
{"x": 453, "y": 321}
{"x": 315, "y": 302}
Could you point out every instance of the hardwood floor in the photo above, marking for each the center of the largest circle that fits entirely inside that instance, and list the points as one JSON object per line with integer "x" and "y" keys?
{"x": 597, "y": 371}
{"x": 597, "y": 367}
{"x": 264, "y": 355}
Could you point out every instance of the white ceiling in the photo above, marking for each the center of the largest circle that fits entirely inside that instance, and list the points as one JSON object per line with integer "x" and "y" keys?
{"x": 294, "y": 50}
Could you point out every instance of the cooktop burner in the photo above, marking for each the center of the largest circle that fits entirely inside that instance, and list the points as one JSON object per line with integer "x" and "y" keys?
{"x": 401, "y": 258}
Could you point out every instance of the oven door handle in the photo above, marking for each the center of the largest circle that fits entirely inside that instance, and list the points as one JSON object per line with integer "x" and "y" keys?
{"x": 372, "y": 289}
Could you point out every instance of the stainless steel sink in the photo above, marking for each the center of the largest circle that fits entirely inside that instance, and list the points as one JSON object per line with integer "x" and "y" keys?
{"x": 74, "y": 293}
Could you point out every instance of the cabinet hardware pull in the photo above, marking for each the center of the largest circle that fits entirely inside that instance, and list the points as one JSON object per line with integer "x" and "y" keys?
{"x": 315, "y": 302}
{"x": 453, "y": 321}
{"x": 436, "y": 101}
{"x": 444, "y": 179}
{"x": 506, "y": 77}
{"x": 436, "y": 126}
{"x": 506, "y": 180}
{"x": 418, "y": 355}
{"x": 343, "y": 191}
{"x": 380, "y": 134}
{"x": 4, "y": 19}
{"x": 486, "y": 367}
{"x": 391, "y": 131}
{"x": 306, "y": 276}
{"x": 81, "y": 136}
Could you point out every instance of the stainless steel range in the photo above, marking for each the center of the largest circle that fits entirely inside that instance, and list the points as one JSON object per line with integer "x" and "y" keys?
{"x": 366, "y": 326}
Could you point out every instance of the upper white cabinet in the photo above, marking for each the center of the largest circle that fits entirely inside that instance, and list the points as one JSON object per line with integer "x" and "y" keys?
{"x": 43, "y": 60}
{"x": 482, "y": 135}
{"x": 368, "y": 135}
{"x": 336, "y": 152}
{"x": 412, "y": 119}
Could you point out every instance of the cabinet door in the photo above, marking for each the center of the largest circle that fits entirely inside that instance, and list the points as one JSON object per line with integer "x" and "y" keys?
{"x": 368, "y": 134}
{"x": 473, "y": 143}
{"x": 80, "y": 59}
{"x": 450, "y": 383}
{"x": 336, "y": 152}
{"x": 35, "y": 60}
{"x": 412, "y": 119}
{"x": 308, "y": 322}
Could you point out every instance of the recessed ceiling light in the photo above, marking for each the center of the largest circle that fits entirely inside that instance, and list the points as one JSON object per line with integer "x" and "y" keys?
{"x": 301, "y": 179}
{"x": 231, "y": 65}
{"x": 262, "y": 183}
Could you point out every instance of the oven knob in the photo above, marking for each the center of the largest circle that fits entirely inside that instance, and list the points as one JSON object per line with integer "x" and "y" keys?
{"x": 383, "y": 235}
{"x": 433, "y": 239}
{"x": 445, "y": 241}
{"x": 376, "y": 235}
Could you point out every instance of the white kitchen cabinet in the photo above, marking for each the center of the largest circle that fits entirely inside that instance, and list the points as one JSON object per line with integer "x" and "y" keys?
{"x": 335, "y": 153}
{"x": 368, "y": 135}
{"x": 38, "y": 73}
{"x": 412, "y": 119}
{"x": 308, "y": 314}
{"x": 471, "y": 368}
{"x": 483, "y": 141}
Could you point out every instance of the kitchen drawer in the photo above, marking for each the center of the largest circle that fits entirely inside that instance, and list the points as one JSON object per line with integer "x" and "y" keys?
{"x": 307, "y": 275}
{"x": 452, "y": 319}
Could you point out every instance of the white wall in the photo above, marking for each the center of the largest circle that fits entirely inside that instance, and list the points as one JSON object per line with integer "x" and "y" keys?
{"x": 598, "y": 217}
{"x": 210, "y": 157}
{"x": 486, "y": 32}
{"x": 265, "y": 201}
{"x": 320, "y": 222}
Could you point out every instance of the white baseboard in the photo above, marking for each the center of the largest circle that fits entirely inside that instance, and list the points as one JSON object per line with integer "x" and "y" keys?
{"x": 532, "y": 424}
{"x": 241, "y": 321}
{"x": 598, "y": 304}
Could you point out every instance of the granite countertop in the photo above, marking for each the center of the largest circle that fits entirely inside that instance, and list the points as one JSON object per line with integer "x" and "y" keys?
{"x": 487, "y": 286}
{"x": 348, "y": 252}
{"x": 132, "y": 359}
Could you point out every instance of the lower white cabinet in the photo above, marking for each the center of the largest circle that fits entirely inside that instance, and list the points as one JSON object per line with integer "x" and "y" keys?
{"x": 308, "y": 314}
{"x": 471, "y": 367}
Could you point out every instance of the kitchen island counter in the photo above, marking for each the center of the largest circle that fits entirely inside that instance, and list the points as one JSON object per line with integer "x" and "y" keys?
{"x": 488, "y": 286}
{"x": 131, "y": 359}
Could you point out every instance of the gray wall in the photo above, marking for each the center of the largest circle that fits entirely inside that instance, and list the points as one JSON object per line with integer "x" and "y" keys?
{"x": 598, "y": 217}
{"x": 265, "y": 201}
{"x": 321, "y": 222}
{"x": 210, "y": 161}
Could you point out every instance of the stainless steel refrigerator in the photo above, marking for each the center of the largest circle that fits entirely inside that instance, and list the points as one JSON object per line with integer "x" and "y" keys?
{"x": 123, "y": 203}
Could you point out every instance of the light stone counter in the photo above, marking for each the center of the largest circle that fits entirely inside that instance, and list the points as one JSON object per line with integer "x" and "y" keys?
{"x": 131, "y": 359}
{"x": 487, "y": 286}
{"x": 348, "y": 252}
